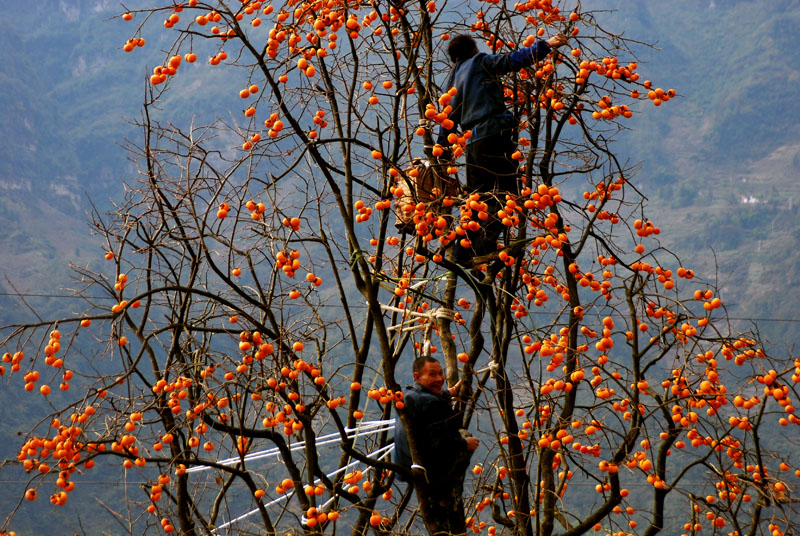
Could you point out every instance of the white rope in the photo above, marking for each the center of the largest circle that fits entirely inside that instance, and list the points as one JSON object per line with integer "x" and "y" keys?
{"x": 429, "y": 320}
{"x": 251, "y": 512}
{"x": 364, "y": 428}
{"x": 433, "y": 314}
{"x": 491, "y": 367}
{"x": 377, "y": 454}
{"x": 418, "y": 284}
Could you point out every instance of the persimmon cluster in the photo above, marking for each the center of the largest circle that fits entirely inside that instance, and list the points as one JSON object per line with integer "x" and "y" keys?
{"x": 31, "y": 377}
{"x": 427, "y": 210}
{"x": 547, "y": 12}
{"x": 780, "y": 393}
{"x": 222, "y": 210}
{"x": 177, "y": 391}
{"x": 315, "y": 517}
{"x": 645, "y": 228}
{"x": 300, "y": 366}
{"x": 707, "y": 297}
{"x": 161, "y": 72}
{"x": 517, "y": 308}
{"x": 608, "y": 67}
{"x": 658, "y": 95}
{"x": 283, "y": 416}
{"x": 548, "y": 15}
{"x": 554, "y": 347}
{"x": 588, "y": 280}
{"x": 542, "y": 198}
{"x": 289, "y": 263}
{"x": 293, "y": 223}
{"x": 156, "y": 491}
{"x": 134, "y": 42}
{"x": 550, "y": 99}
{"x": 491, "y": 499}
{"x": 274, "y": 125}
{"x": 364, "y": 212}
{"x": 353, "y": 479}
{"x": 440, "y": 117}
{"x": 610, "y": 111}
{"x": 123, "y": 304}
{"x": 65, "y": 450}
{"x": 14, "y": 359}
{"x": 422, "y": 219}
{"x": 741, "y": 350}
{"x": 319, "y": 121}
{"x": 386, "y": 396}
{"x": 603, "y": 192}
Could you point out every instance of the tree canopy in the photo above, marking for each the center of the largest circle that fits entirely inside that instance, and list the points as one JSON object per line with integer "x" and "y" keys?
{"x": 275, "y": 271}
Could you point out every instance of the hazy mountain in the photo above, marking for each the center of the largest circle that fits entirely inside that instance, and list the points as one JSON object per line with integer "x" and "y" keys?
{"x": 721, "y": 162}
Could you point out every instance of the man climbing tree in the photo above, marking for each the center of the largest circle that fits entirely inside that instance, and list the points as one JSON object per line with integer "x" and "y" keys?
{"x": 444, "y": 448}
{"x": 479, "y": 106}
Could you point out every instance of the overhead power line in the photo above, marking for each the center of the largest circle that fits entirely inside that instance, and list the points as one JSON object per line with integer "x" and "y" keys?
{"x": 37, "y": 295}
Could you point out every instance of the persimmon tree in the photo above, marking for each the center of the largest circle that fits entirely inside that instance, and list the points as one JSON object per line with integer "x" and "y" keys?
{"x": 267, "y": 306}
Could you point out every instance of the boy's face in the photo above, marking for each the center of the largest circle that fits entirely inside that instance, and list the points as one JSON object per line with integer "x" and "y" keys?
{"x": 431, "y": 377}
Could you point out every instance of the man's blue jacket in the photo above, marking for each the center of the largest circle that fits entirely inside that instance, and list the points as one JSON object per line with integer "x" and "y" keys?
{"x": 435, "y": 427}
{"x": 479, "y": 103}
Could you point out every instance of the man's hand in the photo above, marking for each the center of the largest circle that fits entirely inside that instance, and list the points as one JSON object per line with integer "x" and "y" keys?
{"x": 557, "y": 40}
{"x": 472, "y": 443}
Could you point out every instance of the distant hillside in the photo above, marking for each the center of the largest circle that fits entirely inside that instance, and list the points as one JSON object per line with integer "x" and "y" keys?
{"x": 721, "y": 162}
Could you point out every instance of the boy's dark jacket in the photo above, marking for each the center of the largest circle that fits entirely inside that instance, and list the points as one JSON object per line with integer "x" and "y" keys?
{"x": 435, "y": 425}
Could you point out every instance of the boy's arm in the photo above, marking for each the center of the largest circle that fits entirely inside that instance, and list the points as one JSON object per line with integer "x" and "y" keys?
{"x": 523, "y": 57}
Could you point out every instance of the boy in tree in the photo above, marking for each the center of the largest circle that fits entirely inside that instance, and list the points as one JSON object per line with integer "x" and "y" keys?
{"x": 437, "y": 434}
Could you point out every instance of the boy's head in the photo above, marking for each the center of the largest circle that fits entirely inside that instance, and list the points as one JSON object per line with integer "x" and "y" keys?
{"x": 462, "y": 47}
